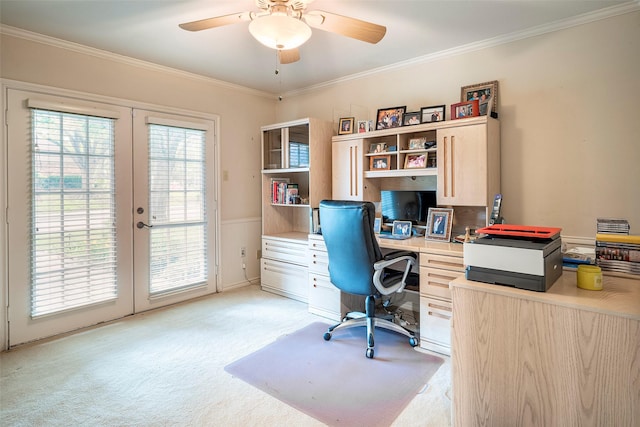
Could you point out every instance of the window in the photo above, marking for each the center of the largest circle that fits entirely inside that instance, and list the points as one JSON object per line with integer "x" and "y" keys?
{"x": 178, "y": 239}
{"x": 73, "y": 244}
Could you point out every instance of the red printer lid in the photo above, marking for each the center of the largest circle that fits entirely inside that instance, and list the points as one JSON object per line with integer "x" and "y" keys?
{"x": 512, "y": 230}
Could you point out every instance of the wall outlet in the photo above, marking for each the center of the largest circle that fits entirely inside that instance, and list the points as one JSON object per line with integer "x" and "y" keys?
{"x": 243, "y": 252}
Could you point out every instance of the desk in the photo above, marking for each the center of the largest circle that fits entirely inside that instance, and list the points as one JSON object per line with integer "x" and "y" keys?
{"x": 440, "y": 263}
{"x": 565, "y": 357}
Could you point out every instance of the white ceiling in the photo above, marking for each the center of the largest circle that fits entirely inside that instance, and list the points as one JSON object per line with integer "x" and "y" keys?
{"x": 148, "y": 30}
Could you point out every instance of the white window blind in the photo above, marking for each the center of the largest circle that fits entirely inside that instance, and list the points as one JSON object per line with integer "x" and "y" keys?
{"x": 177, "y": 195}
{"x": 73, "y": 244}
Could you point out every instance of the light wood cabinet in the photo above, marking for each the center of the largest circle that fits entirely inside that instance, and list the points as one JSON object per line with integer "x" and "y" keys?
{"x": 296, "y": 152}
{"x": 565, "y": 357}
{"x": 468, "y": 164}
{"x": 348, "y": 181}
{"x": 465, "y": 161}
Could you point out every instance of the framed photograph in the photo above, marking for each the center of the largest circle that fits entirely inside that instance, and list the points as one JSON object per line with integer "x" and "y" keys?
{"x": 377, "y": 225}
{"x": 363, "y": 126}
{"x": 439, "y": 222}
{"x": 378, "y": 148}
{"x": 418, "y": 143}
{"x": 380, "y": 163}
{"x": 432, "y": 114}
{"x": 485, "y": 93}
{"x": 465, "y": 109}
{"x": 415, "y": 161}
{"x": 346, "y": 126}
{"x": 401, "y": 228}
{"x": 389, "y": 117}
{"x": 410, "y": 119}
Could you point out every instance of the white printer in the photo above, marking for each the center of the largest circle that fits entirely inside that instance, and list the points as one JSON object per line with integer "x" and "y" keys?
{"x": 522, "y": 256}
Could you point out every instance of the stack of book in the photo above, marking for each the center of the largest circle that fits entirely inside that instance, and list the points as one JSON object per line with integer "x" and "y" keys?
{"x": 283, "y": 192}
{"x": 616, "y": 249}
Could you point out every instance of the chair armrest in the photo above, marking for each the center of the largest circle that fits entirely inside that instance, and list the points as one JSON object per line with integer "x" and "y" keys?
{"x": 379, "y": 267}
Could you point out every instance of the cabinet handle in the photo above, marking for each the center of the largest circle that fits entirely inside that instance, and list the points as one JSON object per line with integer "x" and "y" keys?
{"x": 453, "y": 165}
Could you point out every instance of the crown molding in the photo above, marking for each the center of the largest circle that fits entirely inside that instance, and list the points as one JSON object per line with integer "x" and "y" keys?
{"x": 632, "y": 6}
{"x": 98, "y": 53}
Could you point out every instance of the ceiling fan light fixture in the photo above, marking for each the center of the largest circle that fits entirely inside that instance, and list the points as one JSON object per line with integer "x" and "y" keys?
{"x": 280, "y": 32}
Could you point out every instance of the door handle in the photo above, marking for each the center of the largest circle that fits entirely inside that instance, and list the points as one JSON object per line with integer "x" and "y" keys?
{"x": 141, "y": 224}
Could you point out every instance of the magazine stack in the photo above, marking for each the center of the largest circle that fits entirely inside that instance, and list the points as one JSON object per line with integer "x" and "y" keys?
{"x": 617, "y": 249}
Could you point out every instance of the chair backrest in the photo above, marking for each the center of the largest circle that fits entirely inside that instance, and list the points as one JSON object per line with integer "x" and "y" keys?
{"x": 347, "y": 229}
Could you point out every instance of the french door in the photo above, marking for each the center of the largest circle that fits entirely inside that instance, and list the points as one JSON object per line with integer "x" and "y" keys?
{"x": 82, "y": 177}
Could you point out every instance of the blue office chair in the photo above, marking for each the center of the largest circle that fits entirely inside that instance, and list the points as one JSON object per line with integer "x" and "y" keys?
{"x": 356, "y": 265}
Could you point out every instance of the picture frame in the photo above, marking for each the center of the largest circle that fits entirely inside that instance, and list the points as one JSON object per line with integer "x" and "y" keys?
{"x": 378, "y": 147}
{"x": 390, "y": 117}
{"x": 465, "y": 109}
{"x": 419, "y": 143}
{"x": 380, "y": 163}
{"x": 432, "y": 114}
{"x": 439, "y": 223}
{"x": 377, "y": 225}
{"x": 410, "y": 119}
{"x": 415, "y": 161}
{"x": 401, "y": 228}
{"x": 363, "y": 126}
{"x": 345, "y": 126}
{"x": 485, "y": 93}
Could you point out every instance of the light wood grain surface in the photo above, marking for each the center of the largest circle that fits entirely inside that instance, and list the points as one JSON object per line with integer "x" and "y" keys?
{"x": 567, "y": 357}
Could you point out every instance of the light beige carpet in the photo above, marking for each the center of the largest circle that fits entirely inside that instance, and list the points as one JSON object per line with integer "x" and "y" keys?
{"x": 166, "y": 368}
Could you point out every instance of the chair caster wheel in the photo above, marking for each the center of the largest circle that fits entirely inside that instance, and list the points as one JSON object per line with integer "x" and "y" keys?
{"x": 413, "y": 341}
{"x": 370, "y": 353}
{"x": 327, "y": 336}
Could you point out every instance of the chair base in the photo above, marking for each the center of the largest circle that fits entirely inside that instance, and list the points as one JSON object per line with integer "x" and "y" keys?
{"x": 371, "y": 323}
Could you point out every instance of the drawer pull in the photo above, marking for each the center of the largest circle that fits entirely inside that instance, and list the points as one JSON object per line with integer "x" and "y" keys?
{"x": 436, "y": 314}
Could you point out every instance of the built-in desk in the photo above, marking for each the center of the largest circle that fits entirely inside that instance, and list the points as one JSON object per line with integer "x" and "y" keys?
{"x": 565, "y": 357}
{"x": 440, "y": 263}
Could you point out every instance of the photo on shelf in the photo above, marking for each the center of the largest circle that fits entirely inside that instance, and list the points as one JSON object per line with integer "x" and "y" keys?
{"x": 465, "y": 109}
{"x": 346, "y": 126}
{"x": 389, "y": 117}
{"x": 418, "y": 143}
{"x": 415, "y": 161}
{"x": 380, "y": 162}
{"x": 485, "y": 93}
{"x": 380, "y": 147}
{"x": 432, "y": 114}
{"x": 410, "y": 119}
{"x": 363, "y": 126}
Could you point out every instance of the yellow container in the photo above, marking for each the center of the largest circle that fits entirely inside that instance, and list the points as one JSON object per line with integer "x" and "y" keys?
{"x": 590, "y": 277}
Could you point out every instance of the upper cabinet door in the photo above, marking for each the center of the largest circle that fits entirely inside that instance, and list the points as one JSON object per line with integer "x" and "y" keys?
{"x": 462, "y": 166}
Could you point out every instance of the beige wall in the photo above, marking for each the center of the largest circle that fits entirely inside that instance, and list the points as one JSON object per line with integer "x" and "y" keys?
{"x": 568, "y": 102}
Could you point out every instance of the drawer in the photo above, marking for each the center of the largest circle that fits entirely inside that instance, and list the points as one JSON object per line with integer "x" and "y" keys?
{"x": 324, "y": 298}
{"x": 445, "y": 262}
{"x": 435, "y": 325}
{"x": 285, "y": 279}
{"x": 316, "y": 243}
{"x": 319, "y": 262}
{"x": 434, "y": 282}
{"x": 284, "y": 250}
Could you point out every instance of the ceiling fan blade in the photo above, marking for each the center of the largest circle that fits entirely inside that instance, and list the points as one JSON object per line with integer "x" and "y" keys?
{"x": 218, "y": 21}
{"x": 288, "y": 56}
{"x": 350, "y": 27}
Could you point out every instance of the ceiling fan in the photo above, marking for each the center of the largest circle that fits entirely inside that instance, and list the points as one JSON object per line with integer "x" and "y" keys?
{"x": 284, "y": 25}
